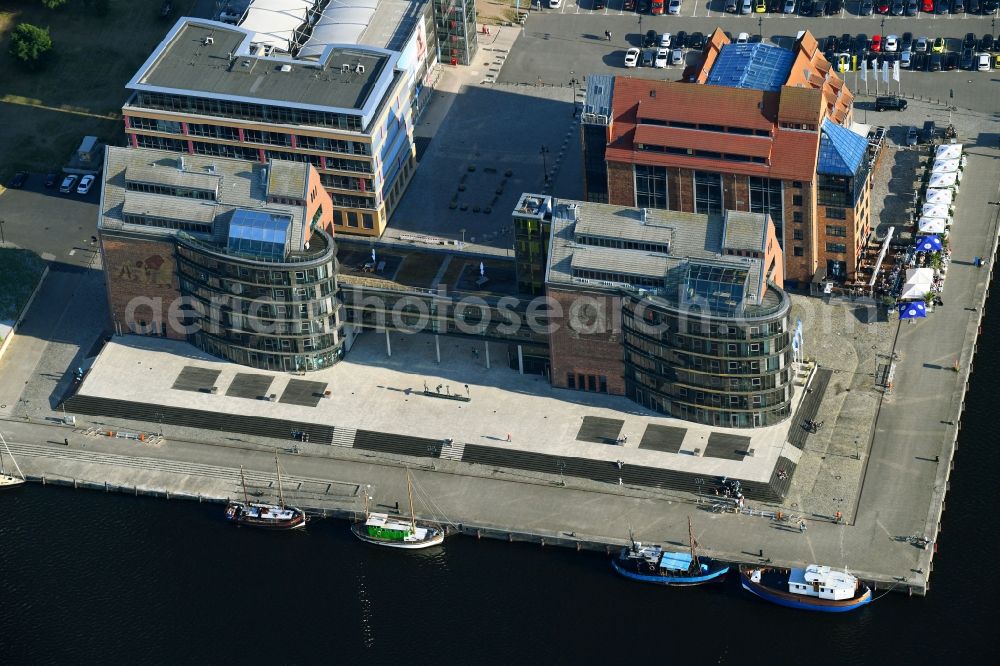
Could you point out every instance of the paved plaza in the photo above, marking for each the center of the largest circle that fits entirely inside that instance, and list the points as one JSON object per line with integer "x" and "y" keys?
{"x": 373, "y": 391}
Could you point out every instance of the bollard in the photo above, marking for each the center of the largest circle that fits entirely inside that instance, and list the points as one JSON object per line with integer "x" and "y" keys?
{"x": 578, "y": 544}
{"x": 478, "y": 534}
{"x": 543, "y": 543}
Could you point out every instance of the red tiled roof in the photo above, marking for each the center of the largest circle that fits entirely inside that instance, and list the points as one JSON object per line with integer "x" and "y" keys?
{"x": 755, "y": 146}
{"x": 794, "y": 154}
{"x": 694, "y": 103}
{"x": 800, "y": 105}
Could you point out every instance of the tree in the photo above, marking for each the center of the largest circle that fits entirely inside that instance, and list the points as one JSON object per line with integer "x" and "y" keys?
{"x": 29, "y": 43}
{"x": 52, "y": 4}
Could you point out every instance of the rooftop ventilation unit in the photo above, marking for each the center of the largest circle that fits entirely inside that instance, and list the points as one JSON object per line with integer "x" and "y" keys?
{"x": 180, "y": 163}
{"x": 345, "y": 68}
{"x": 208, "y": 41}
{"x": 359, "y": 69}
{"x": 286, "y": 68}
{"x": 645, "y": 216}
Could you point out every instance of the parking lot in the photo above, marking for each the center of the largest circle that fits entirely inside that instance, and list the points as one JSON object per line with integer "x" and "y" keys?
{"x": 559, "y": 44}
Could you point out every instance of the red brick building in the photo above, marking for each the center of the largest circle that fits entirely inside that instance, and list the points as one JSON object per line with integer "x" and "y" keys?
{"x": 756, "y": 128}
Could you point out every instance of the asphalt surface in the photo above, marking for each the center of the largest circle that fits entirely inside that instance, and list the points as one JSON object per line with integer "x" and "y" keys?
{"x": 558, "y": 45}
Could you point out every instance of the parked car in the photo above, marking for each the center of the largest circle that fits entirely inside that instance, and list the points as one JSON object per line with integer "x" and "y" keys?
{"x": 912, "y": 9}
{"x": 628, "y": 5}
{"x": 674, "y": 7}
{"x": 648, "y": 58}
{"x": 746, "y": 7}
{"x": 845, "y": 42}
{"x": 937, "y": 46}
{"x": 918, "y": 62}
{"x": 18, "y": 181}
{"x": 928, "y": 131}
{"x": 942, "y": 6}
{"x": 677, "y": 57}
{"x": 829, "y": 44}
{"x": 731, "y": 6}
{"x": 166, "y": 8}
{"x": 819, "y": 9}
{"x": 696, "y": 41}
{"x": 897, "y": 7}
{"x": 680, "y": 39}
{"x": 882, "y": 6}
{"x": 928, "y": 6}
{"x": 866, "y": 8}
{"x": 756, "y": 38}
{"x": 876, "y": 44}
{"x": 760, "y": 6}
{"x": 789, "y": 7}
{"x": 743, "y": 38}
{"x": 85, "y": 184}
{"x": 906, "y": 41}
{"x": 861, "y": 43}
{"x": 69, "y": 182}
{"x": 968, "y": 59}
{"x": 598, "y": 5}
{"x": 665, "y": 40}
{"x": 834, "y": 7}
{"x": 935, "y": 62}
{"x": 984, "y": 62}
{"x": 650, "y": 39}
{"x": 972, "y": 6}
{"x": 51, "y": 179}
{"x": 969, "y": 42}
{"x": 950, "y": 61}
{"x": 911, "y": 136}
{"x": 986, "y": 43}
{"x": 921, "y": 45}
{"x": 890, "y": 104}
{"x": 958, "y": 6}
{"x": 891, "y": 44}
{"x": 905, "y": 59}
{"x": 996, "y": 61}
{"x": 555, "y": 4}
{"x": 642, "y": 6}
{"x": 662, "y": 58}
{"x": 805, "y": 7}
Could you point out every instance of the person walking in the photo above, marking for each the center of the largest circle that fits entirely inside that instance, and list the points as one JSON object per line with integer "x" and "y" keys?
{"x": 508, "y": 437}
{"x": 802, "y": 526}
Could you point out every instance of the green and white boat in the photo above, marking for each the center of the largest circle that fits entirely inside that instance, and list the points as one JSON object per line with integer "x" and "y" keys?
{"x": 383, "y": 529}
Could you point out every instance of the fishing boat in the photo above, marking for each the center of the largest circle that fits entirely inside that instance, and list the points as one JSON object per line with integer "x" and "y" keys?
{"x": 816, "y": 587}
{"x": 653, "y": 564}
{"x": 383, "y": 529}
{"x": 267, "y": 516}
{"x": 10, "y": 480}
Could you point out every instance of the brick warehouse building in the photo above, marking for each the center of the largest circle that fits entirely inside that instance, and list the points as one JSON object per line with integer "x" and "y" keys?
{"x": 239, "y": 254}
{"x": 683, "y": 313}
{"x": 756, "y": 128}
{"x": 214, "y": 89}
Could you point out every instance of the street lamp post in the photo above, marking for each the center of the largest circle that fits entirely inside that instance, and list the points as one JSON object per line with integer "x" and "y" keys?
{"x": 3, "y": 241}
{"x": 760, "y": 27}
{"x": 572, "y": 87}
{"x": 545, "y": 164}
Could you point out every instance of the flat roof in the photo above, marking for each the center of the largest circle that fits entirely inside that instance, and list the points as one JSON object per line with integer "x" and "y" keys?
{"x": 217, "y": 60}
{"x": 238, "y": 184}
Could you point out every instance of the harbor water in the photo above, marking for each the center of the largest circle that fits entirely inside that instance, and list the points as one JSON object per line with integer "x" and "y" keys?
{"x": 87, "y": 576}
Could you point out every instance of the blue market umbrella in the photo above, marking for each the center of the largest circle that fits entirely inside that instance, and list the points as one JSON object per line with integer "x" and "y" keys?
{"x": 929, "y": 244}
{"x": 912, "y": 310}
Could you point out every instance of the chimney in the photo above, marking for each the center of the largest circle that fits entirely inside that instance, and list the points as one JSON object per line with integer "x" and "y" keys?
{"x": 645, "y": 216}
{"x": 180, "y": 163}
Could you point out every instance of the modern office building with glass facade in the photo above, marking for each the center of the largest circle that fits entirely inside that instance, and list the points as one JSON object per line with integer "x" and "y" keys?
{"x": 745, "y": 133}
{"x": 215, "y": 89}
{"x": 684, "y": 313}
{"x": 235, "y": 257}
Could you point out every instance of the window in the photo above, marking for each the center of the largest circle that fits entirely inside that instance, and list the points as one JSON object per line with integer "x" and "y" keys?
{"x": 797, "y": 217}
{"x": 797, "y": 184}
{"x": 570, "y": 380}
{"x": 840, "y": 232}
{"x": 797, "y": 200}
{"x": 797, "y": 251}
{"x": 650, "y": 186}
{"x": 733, "y": 366}
{"x": 367, "y": 221}
{"x": 833, "y": 213}
{"x": 338, "y": 218}
{"x": 731, "y": 348}
{"x": 765, "y": 197}
{"x": 352, "y": 219}
{"x": 797, "y": 234}
{"x": 755, "y": 347}
{"x": 707, "y": 192}
{"x": 839, "y": 248}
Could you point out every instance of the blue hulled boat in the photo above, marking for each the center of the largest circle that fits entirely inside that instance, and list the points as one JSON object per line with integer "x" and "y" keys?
{"x": 815, "y": 588}
{"x": 653, "y": 564}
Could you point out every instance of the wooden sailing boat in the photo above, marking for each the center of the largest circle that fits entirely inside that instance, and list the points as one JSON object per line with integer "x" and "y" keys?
{"x": 9, "y": 480}
{"x": 396, "y": 531}
{"x": 653, "y": 564}
{"x": 268, "y": 516}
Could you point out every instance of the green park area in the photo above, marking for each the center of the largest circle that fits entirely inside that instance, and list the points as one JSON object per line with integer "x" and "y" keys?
{"x": 19, "y": 274}
{"x": 76, "y": 87}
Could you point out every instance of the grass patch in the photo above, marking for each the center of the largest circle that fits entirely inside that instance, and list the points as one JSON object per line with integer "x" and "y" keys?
{"x": 80, "y": 91}
{"x": 19, "y": 273}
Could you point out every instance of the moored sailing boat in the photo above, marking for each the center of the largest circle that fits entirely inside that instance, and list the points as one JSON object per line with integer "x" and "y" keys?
{"x": 382, "y": 529}
{"x": 9, "y": 480}
{"x": 268, "y": 516}
{"x": 653, "y": 564}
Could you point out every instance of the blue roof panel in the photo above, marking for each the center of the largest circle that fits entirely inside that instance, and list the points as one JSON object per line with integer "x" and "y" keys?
{"x": 259, "y": 234}
{"x": 840, "y": 150}
{"x": 757, "y": 66}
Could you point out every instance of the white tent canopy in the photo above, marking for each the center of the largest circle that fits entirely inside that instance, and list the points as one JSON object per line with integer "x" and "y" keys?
{"x": 943, "y": 179}
{"x": 935, "y": 210}
{"x": 932, "y": 225}
{"x": 948, "y": 151}
{"x": 342, "y": 22}
{"x": 944, "y": 197}
{"x": 275, "y": 21}
{"x": 918, "y": 282}
{"x": 945, "y": 166}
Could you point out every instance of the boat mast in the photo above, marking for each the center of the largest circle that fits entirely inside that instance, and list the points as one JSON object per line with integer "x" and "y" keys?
{"x": 12, "y": 459}
{"x": 696, "y": 566}
{"x": 409, "y": 494}
{"x": 243, "y": 480}
{"x": 281, "y": 495}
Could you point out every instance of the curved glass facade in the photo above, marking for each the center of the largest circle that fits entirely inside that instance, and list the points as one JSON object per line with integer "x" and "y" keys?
{"x": 281, "y": 315}
{"x": 726, "y": 371}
